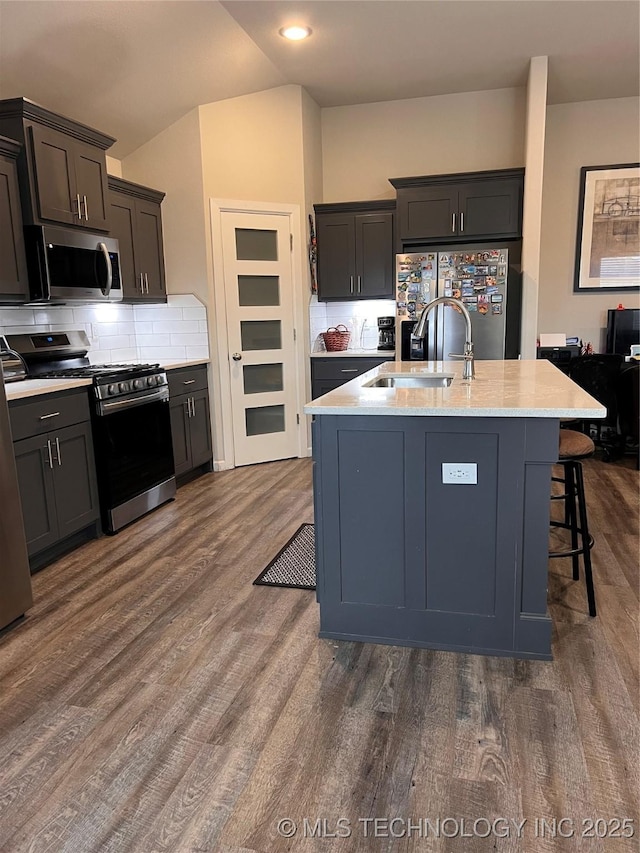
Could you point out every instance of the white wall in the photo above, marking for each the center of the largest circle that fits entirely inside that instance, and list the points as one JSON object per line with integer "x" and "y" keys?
{"x": 365, "y": 145}
{"x": 590, "y": 133}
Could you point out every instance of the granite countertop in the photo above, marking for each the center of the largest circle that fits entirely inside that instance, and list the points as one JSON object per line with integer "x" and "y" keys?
{"x": 513, "y": 389}
{"x": 34, "y": 387}
{"x": 361, "y": 353}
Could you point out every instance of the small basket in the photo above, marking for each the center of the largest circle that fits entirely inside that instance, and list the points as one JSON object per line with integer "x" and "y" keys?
{"x": 336, "y": 340}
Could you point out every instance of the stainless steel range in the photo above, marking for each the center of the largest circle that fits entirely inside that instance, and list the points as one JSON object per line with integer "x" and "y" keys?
{"x": 130, "y": 422}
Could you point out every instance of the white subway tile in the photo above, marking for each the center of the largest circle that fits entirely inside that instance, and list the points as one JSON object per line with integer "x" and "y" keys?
{"x": 113, "y": 342}
{"x": 142, "y": 328}
{"x": 183, "y": 300}
{"x": 103, "y": 329}
{"x": 153, "y": 340}
{"x": 17, "y": 317}
{"x": 186, "y": 327}
{"x": 127, "y": 328}
{"x": 198, "y": 313}
{"x": 59, "y": 316}
{"x": 100, "y": 356}
{"x": 203, "y": 326}
{"x": 194, "y": 340}
{"x": 157, "y": 313}
{"x": 162, "y": 353}
{"x": 124, "y": 355}
{"x": 197, "y": 352}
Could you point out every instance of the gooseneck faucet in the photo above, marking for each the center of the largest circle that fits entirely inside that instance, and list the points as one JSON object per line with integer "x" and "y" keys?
{"x": 420, "y": 329}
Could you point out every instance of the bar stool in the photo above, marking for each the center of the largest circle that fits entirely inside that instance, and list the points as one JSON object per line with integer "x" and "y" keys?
{"x": 575, "y": 446}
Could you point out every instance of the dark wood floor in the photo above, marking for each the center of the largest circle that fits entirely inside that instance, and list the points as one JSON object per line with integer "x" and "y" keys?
{"x": 155, "y": 700}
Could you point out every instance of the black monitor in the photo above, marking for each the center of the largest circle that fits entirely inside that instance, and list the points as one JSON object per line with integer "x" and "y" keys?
{"x": 623, "y": 330}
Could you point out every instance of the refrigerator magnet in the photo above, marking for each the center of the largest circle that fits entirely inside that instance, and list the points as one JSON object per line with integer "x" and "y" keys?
{"x": 496, "y": 308}
{"x": 483, "y": 299}
{"x": 502, "y": 270}
{"x": 493, "y": 288}
{"x": 490, "y": 281}
{"x": 456, "y": 293}
{"x": 493, "y": 270}
{"x": 448, "y": 291}
{"x": 472, "y": 306}
{"x": 482, "y": 270}
{"x": 467, "y": 291}
{"x": 483, "y": 309}
{"x": 496, "y": 297}
{"x": 403, "y": 276}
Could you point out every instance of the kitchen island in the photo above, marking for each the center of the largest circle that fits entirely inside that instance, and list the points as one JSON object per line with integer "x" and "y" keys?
{"x": 405, "y": 558}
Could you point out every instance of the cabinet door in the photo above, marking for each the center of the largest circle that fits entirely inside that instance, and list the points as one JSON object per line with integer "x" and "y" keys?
{"x": 178, "y": 408}
{"x": 122, "y": 215}
{"x": 55, "y": 186}
{"x": 490, "y": 209}
{"x": 14, "y": 285}
{"x": 200, "y": 429}
{"x": 74, "y": 477}
{"x": 91, "y": 183}
{"x": 336, "y": 256}
{"x": 37, "y": 496}
{"x": 374, "y": 255}
{"x": 319, "y": 387}
{"x": 149, "y": 255}
{"x": 428, "y": 213}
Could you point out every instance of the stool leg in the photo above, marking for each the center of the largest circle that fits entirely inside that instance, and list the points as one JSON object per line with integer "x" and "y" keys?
{"x": 571, "y": 515}
{"x": 584, "y": 527}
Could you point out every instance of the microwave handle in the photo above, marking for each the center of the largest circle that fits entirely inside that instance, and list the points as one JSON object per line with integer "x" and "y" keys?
{"x": 107, "y": 260}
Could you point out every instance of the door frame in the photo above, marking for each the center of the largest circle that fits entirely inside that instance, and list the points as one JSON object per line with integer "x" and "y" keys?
{"x": 221, "y": 416}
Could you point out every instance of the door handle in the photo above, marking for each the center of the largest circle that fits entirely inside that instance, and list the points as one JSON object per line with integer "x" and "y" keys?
{"x": 236, "y": 356}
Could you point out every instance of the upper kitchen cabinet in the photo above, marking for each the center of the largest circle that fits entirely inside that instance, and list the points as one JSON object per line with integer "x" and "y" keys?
{"x": 355, "y": 250}
{"x": 136, "y": 223}
{"x": 14, "y": 286}
{"x": 452, "y": 208}
{"x": 62, "y": 168}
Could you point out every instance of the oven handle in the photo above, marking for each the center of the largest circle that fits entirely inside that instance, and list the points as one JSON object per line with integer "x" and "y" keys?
{"x": 107, "y": 260}
{"x": 107, "y": 407}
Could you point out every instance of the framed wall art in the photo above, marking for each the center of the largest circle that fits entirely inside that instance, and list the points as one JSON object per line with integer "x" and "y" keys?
{"x": 608, "y": 241}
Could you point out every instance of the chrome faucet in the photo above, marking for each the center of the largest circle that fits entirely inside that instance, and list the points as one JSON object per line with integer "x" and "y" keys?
{"x": 420, "y": 329}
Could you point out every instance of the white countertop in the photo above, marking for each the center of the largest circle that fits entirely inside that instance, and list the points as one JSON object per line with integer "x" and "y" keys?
{"x": 352, "y": 353}
{"x": 34, "y": 387}
{"x": 502, "y": 389}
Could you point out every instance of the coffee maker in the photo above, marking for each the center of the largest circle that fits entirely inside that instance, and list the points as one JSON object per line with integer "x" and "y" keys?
{"x": 386, "y": 333}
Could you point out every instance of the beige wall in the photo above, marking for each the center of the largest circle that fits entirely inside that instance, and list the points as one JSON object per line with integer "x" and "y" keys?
{"x": 114, "y": 167}
{"x": 364, "y": 145}
{"x": 590, "y": 133}
{"x": 172, "y": 162}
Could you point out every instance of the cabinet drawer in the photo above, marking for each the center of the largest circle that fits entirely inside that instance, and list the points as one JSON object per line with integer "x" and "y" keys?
{"x": 48, "y": 413}
{"x": 342, "y": 369}
{"x": 184, "y": 380}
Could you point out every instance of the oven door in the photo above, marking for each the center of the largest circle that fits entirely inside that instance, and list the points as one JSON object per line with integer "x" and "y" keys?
{"x": 134, "y": 459}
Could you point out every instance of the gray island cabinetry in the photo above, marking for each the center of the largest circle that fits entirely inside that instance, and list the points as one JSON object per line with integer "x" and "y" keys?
{"x": 432, "y": 506}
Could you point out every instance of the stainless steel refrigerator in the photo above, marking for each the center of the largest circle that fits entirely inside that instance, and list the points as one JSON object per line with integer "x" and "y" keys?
{"x": 15, "y": 579}
{"x": 486, "y": 278}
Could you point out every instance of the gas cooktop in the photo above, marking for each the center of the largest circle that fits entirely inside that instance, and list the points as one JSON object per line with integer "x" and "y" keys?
{"x": 99, "y": 371}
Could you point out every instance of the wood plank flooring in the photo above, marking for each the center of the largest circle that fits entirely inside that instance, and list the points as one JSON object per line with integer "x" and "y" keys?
{"x": 154, "y": 700}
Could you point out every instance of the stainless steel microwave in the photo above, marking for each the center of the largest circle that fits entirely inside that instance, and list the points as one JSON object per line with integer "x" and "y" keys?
{"x": 67, "y": 266}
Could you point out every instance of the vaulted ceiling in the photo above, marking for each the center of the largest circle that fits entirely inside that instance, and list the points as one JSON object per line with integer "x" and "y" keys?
{"x": 132, "y": 67}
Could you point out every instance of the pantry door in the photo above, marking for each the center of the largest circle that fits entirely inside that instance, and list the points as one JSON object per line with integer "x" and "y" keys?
{"x": 258, "y": 283}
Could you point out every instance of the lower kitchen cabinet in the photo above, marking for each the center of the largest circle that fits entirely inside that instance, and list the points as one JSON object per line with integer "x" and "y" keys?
{"x": 56, "y": 477}
{"x": 190, "y": 420}
{"x": 332, "y": 372}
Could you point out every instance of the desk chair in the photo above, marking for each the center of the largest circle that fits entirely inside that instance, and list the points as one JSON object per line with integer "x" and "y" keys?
{"x": 573, "y": 448}
{"x": 599, "y": 375}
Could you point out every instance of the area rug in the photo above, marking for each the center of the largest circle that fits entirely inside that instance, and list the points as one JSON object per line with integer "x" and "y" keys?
{"x": 294, "y": 565}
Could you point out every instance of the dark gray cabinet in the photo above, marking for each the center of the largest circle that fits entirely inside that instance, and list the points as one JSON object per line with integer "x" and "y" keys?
{"x": 190, "y": 419}
{"x": 56, "y": 469}
{"x": 332, "y": 372}
{"x": 62, "y": 169}
{"x": 136, "y": 222}
{"x": 469, "y": 206}
{"x": 14, "y": 285}
{"x": 355, "y": 250}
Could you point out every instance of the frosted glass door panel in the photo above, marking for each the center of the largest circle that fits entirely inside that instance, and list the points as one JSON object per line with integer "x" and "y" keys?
{"x": 258, "y": 290}
{"x": 265, "y": 419}
{"x": 256, "y": 244}
{"x": 260, "y": 334}
{"x": 262, "y": 378}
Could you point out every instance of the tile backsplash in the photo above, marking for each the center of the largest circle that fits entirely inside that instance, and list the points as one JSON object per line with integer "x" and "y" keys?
{"x": 120, "y": 333}
{"x": 360, "y": 317}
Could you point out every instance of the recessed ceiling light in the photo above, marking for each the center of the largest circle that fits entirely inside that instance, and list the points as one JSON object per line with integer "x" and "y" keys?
{"x": 295, "y": 33}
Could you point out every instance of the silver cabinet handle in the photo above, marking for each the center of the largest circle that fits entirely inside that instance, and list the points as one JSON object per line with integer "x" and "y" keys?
{"x": 79, "y": 206}
{"x": 350, "y": 284}
{"x": 46, "y": 417}
{"x": 359, "y": 284}
{"x": 453, "y": 223}
{"x": 107, "y": 260}
{"x": 349, "y": 370}
{"x": 146, "y": 283}
{"x": 50, "y": 455}
{"x": 191, "y": 381}
{"x": 141, "y": 283}
{"x": 461, "y": 222}
{"x": 188, "y": 405}
{"x": 86, "y": 208}
{"x": 58, "y": 451}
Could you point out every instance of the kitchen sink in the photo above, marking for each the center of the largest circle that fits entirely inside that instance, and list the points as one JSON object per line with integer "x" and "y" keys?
{"x": 424, "y": 380}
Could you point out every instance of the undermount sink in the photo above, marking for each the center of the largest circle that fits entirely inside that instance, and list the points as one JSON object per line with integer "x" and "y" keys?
{"x": 424, "y": 380}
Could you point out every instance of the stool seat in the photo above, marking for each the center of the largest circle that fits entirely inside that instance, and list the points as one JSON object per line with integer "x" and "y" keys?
{"x": 574, "y": 445}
